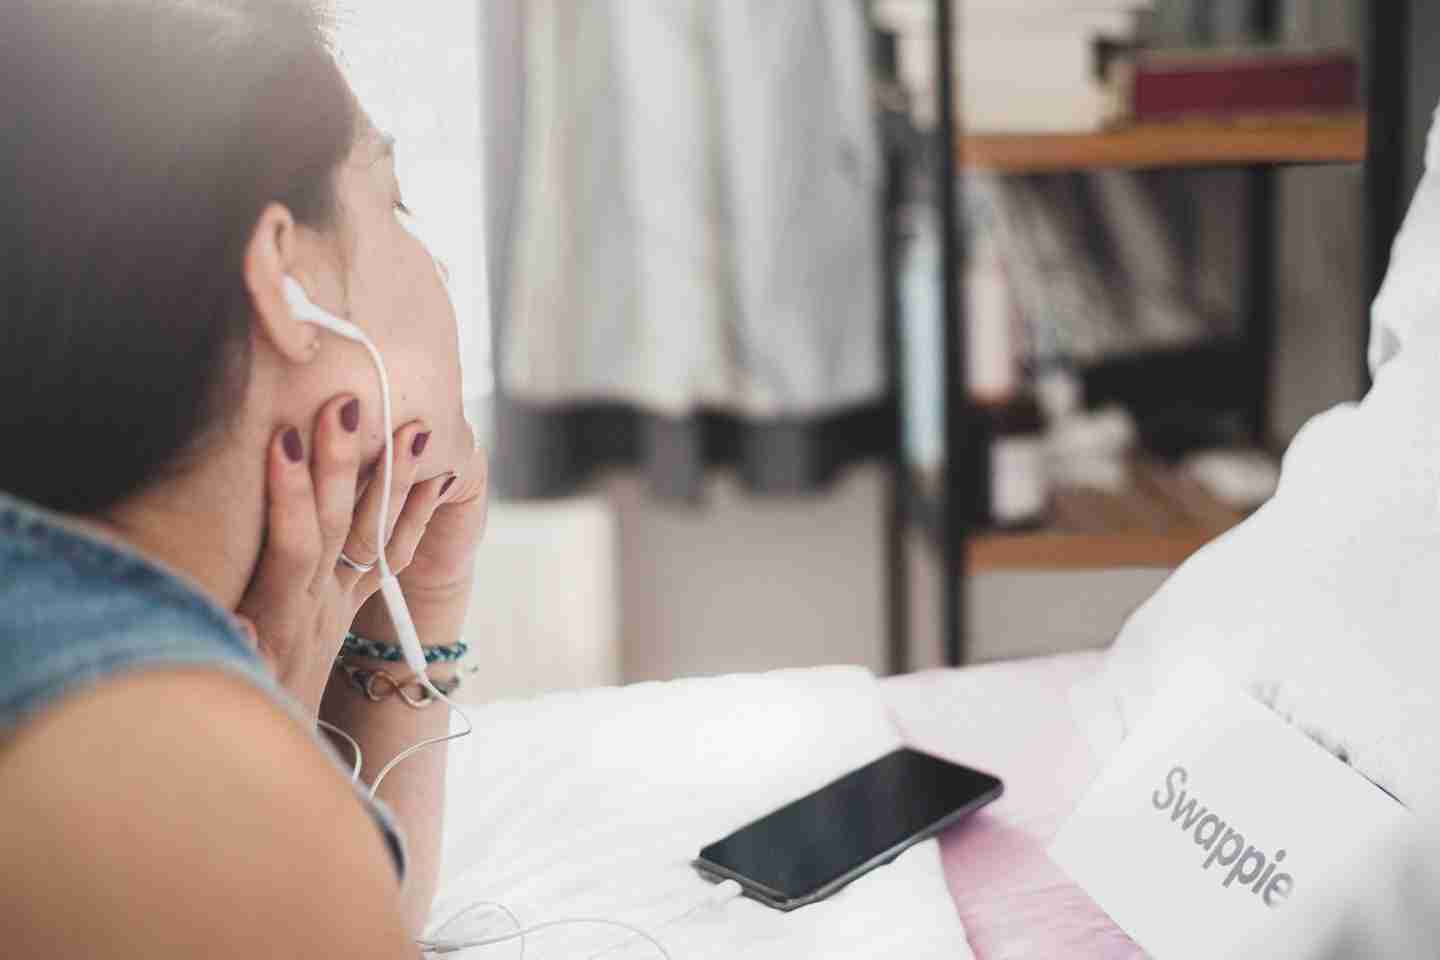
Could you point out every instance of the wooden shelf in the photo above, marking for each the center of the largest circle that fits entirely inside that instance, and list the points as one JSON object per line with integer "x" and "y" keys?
{"x": 1159, "y": 521}
{"x": 1208, "y": 143}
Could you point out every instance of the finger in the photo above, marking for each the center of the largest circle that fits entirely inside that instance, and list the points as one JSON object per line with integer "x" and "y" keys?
{"x": 419, "y": 509}
{"x": 465, "y": 506}
{"x": 293, "y": 539}
{"x": 335, "y": 468}
{"x": 475, "y": 488}
{"x": 443, "y": 557}
{"x": 474, "y": 483}
{"x": 361, "y": 545}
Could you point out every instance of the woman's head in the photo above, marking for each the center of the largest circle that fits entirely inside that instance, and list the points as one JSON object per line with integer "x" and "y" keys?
{"x": 165, "y": 164}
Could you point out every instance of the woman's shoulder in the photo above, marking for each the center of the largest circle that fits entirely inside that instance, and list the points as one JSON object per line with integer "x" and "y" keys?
{"x": 76, "y": 611}
{"x": 179, "y": 812}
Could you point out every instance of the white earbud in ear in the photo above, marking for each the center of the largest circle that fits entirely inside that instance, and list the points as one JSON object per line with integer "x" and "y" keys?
{"x": 307, "y": 311}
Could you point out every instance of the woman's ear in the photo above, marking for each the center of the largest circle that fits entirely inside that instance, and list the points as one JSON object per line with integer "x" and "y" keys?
{"x": 272, "y": 255}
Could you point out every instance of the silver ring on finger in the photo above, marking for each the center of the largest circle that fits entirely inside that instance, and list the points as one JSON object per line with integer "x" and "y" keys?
{"x": 357, "y": 567}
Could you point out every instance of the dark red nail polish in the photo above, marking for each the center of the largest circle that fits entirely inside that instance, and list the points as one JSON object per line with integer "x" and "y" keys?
{"x": 350, "y": 416}
{"x": 445, "y": 487}
{"x": 294, "y": 446}
{"x": 418, "y": 447}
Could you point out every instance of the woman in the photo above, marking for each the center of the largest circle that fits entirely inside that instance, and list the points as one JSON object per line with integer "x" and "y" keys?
{"x": 186, "y": 515}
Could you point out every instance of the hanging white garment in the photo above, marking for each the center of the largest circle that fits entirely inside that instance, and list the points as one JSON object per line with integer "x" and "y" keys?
{"x": 698, "y": 224}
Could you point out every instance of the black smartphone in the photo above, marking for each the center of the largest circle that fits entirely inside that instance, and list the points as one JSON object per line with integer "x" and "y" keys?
{"x": 808, "y": 849}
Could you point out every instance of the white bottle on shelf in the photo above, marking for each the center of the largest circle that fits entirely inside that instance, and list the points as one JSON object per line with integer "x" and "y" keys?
{"x": 1012, "y": 475}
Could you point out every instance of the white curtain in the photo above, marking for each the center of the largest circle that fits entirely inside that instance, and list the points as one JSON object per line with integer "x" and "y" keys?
{"x": 697, "y": 220}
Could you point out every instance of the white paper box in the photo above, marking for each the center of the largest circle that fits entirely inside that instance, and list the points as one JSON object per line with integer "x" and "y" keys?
{"x": 1218, "y": 824}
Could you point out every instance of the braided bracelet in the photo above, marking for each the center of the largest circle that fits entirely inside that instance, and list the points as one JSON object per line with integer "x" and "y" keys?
{"x": 355, "y": 646}
{"x": 377, "y": 685}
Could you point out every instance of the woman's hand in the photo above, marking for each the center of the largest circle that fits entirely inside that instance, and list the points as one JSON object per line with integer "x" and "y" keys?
{"x": 437, "y": 589}
{"x": 437, "y": 578}
{"x": 444, "y": 561}
{"x": 302, "y": 599}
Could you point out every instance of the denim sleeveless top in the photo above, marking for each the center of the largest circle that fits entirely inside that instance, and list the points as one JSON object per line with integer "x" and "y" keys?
{"x": 76, "y": 611}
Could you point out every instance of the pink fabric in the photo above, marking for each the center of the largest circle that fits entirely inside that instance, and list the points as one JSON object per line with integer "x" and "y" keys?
{"x": 1013, "y": 720}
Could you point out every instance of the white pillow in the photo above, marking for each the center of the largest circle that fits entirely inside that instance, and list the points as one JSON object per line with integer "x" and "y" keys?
{"x": 1325, "y": 603}
{"x": 1411, "y": 291}
{"x": 1385, "y": 907}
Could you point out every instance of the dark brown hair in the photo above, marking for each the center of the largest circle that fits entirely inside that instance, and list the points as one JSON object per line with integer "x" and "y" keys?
{"x": 140, "y": 140}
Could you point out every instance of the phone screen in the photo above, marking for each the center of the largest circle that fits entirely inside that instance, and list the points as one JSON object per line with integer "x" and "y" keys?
{"x": 807, "y": 849}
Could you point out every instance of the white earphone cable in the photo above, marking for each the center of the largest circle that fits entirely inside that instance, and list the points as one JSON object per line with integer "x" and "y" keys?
{"x": 399, "y": 613}
{"x": 382, "y": 520}
{"x": 354, "y": 746}
{"x": 306, "y": 310}
{"x": 476, "y": 905}
{"x": 414, "y": 653}
{"x": 723, "y": 893}
{"x": 404, "y": 626}
{"x": 433, "y": 741}
{"x": 455, "y": 946}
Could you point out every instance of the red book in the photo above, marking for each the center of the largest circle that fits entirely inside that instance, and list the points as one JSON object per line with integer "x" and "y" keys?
{"x": 1175, "y": 85}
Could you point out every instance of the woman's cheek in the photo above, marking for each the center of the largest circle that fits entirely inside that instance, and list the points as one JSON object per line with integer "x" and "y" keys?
{"x": 428, "y": 390}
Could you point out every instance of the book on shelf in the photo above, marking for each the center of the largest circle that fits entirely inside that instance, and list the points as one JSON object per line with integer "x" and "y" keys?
{"x": 1152, "y": 86}
{"x": 1027, "y": 72}
{"x": 1089, "y": 265}
{"x": 1025, "y": 66}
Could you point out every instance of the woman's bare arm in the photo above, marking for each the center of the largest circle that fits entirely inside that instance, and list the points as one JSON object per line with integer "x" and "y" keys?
{"x": 415, "y": 789}
{"x": 437, "y": 580}
{"x": 180, "y": 814}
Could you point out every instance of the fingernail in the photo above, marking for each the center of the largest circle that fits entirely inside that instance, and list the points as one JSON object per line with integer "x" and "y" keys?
{"x": 418, "y": 447}
{"x": 445, "y": 487}
{"x": 350, "y": 416}
{"x": 294, "y": 447}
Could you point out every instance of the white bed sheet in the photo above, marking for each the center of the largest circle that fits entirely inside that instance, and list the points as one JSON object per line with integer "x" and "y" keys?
{"x": 594, "y": 804}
